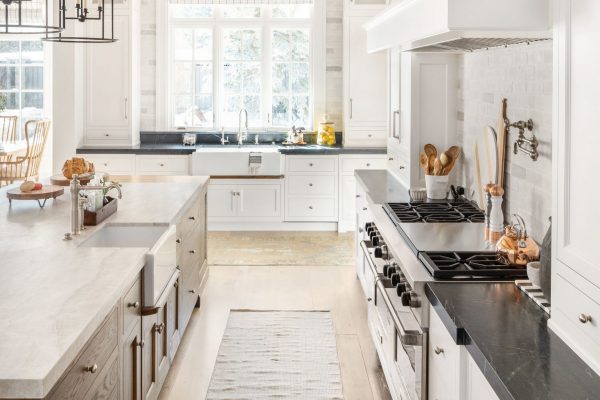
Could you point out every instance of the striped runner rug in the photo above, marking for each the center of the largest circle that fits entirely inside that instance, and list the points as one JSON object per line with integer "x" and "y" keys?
{"x": 277, "y": 355}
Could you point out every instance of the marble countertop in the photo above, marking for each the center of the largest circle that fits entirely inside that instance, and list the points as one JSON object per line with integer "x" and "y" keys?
{"x": 508, "y": 336}
{"x": 180, "y": 149}
{"x": 53, "y": 293}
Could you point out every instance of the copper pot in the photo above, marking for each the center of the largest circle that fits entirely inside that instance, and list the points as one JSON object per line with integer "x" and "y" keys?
{"x": 516, "y": 246}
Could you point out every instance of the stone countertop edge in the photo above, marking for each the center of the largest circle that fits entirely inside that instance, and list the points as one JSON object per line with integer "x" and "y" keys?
{"x": 36, "y": 388}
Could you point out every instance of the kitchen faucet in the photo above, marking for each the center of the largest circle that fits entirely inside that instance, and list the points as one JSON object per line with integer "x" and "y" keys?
{"x": 241, "y": 136}
{"x": 77, "y": 203}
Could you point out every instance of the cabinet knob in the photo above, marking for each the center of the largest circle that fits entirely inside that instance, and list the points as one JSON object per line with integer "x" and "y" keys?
{"x": 92, "y": 369}
{"x": 106, "y": 134}
{"x": 162, "y": 164}
{"x": 402, "y": 167}
{"x": 141, "y": 344}
{"x": 133, "y": 305}
{"x": 310, "y": 184}
{"x": 368, "y": 164}
{"x": 365, "y": 208}
{"x": 106, "y": 164}
{"x": 192, "y": 251}
{"x": 369, "y": 299}
{"x": 370, "y": 135}
{"x": 584, "y": 318}
{"x": 358, "y": 196}
{"x": 391, "y": 159}
{"x": 192, "y": 218}
{"x": 438, "y": 350}
{"x": 178, "y": 241}
{"x": 310, "y": 164}
{"x": 193, "y": 291}
{"x": 160, "y": 328}
{"x": 310, "y": 207}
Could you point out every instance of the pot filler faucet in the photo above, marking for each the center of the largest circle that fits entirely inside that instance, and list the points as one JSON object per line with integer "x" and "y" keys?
{"x": 77, "y": 203}
{"x": 242, "y": 135}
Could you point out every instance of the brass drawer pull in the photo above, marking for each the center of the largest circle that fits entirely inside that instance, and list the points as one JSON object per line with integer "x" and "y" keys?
{"x": 584, "y": 319}
{"x": 141, "y": 344}
{"x": 133, "y": 305}
{"x": 178, "y": 241}
{"x": 192, "y": 251}
{"x": 160, "y": 328}
{"x": 193, "y": 291}
{"x": 91, "y": 369}
{"x": 438, "y": 350}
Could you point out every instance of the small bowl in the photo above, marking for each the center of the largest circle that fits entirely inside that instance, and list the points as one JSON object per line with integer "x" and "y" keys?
{"x": 533, "y": 272}
{"x": 418, "y": 194}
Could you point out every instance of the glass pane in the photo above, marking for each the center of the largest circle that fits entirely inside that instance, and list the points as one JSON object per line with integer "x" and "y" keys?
{"x": 231, "y": 109}
{"x": 252, "y": 105}
{"x": 281, "y": 78}
{"x": 182, "y": 78}
{"x": 182, "y": 111}
{"x": 241, "y": 44}
{"x": 230, "y": 11}
{"x": 8, "y": 78}
{"x": 232, "y": 77}
{"x": 203, "y": 111}
{"x": 300, "y": 110}
{"x": 300, "y": 78}
{"x": 252, "y": 77}
{"x": 33, "y": 52}
{"x": 299, "y": 40}
{"x": 292, "y": 11}
{"x": 33, "y": 100}
{"x": 281, "y": 45}
{"x": 182, "y": 44}
{"x": 191, "y": 11}
{"x": 203, "y": 44}
{"x": 251, "y": 45}
{"x": 33, "y": 78}
{"x": 232, "y": 44}
{"x": 12, "y": 101}
{"x": 9, "y": 52}
{"x": 280, "y": 111}
{"x": 203, "y": 79}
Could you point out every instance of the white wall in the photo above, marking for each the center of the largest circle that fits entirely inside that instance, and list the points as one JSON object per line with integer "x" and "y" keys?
{"x": 333, "y": 63}
{"x": 523, "y": 75}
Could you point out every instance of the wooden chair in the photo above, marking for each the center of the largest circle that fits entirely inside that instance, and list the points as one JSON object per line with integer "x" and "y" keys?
{"x": 8, "y": 132}
{"x": 28, "y": 166}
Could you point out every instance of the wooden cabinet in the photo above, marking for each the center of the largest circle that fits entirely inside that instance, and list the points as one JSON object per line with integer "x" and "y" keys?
{"x": 365, "y": 81}
{"x": 575, "y": 266}
{"x": 258, "y": 200}
{"x": 132, "y": 363}
{"x": 112, "y": 83}
{"x": 149, "y": 357}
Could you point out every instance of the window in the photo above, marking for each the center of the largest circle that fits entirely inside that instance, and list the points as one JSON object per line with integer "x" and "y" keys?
{"x": 230, "y": 57}
{"x": 22, "y": 78}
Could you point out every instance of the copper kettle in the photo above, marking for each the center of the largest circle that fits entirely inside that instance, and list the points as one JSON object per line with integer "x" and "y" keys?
{"x": 516, "y": 246}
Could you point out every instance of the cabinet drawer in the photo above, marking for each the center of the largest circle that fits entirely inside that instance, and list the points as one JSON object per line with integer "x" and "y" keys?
{"x": 311, "y": 207}
{"x": 162, "y": 165}
{"x": 112, "y": 164}
{"x": 577, "y": 307}
{"x": 107, "y": 134}
{"x": 444, "y": 356}
{"x": 131, "y": 306}
{"x": 106, "y": 386}
{"x": 312, "y": 164}
{"x": 78, "y": 380}
{"x": 349, "y": 165}
{"x": 190, "y": 220}
{"x": 311, "y": 185}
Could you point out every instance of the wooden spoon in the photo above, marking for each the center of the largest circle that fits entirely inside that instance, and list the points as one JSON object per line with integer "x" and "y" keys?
{"x": 445, "y": 159}
{"x": 430, "y": 150}
{"x": 424, "y": 163}
{"x": 454, "y": 152}
{"x": 431, "y": 164}
{"x": 437, "y": 167}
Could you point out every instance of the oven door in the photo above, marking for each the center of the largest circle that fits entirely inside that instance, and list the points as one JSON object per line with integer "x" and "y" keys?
{"x": 408, "y": 358}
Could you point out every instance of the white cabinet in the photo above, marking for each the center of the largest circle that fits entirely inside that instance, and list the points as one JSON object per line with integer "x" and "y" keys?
{"x": 162, "y": 165}
{"x": 112, "y": 83}
{"x": 349, "y": 163}
{"x": 475, "y": 386}
{"x": 365, "y": 82}
{"x": 575, "y": 266}
{"x": 113, "y": 164}
{"x": 244, "y": 201}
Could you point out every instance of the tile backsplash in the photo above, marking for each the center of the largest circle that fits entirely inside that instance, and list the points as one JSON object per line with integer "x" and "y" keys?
{"x": 334, "y": 71}
{"x": 523, "y": 75}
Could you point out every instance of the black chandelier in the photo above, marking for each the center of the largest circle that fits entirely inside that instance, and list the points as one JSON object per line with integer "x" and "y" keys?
{"x": 26, "y": 17}
{"x": 81, "y": 13}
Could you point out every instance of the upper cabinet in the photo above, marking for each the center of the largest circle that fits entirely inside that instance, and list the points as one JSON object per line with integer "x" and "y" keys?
{"x": 365, "y": 80}
{"x": 575, "y": 266}
{"x": 112, "y": 82}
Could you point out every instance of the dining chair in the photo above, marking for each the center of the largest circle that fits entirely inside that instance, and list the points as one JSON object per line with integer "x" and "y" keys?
{"x": 8, "y": 132}
{"x": 27, "y": 166}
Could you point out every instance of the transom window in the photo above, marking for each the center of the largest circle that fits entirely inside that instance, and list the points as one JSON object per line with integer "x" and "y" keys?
{"x": 224, "y": 58}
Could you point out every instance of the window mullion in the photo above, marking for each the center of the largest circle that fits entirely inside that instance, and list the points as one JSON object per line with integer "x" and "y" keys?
{"x": 217, "y": 76}
{"x": 266, "y": 76}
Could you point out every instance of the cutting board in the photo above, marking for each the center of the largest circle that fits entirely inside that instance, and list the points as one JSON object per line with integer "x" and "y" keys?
{"x": 486, "y": 161}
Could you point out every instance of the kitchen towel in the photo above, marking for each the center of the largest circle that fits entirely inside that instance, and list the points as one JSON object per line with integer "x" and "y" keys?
{"x": 277, "y": 355}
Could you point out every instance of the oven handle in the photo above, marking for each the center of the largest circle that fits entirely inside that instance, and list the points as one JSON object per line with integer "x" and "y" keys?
{"x": 365, "y": 250}
{"x": 408, "y": 338}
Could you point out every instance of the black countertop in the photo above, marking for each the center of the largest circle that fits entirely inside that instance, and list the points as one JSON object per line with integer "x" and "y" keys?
{"x": 180, "y": 149}
{"x": 508, "y": 336}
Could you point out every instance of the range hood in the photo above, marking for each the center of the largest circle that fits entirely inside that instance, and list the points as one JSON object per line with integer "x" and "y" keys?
{"x": 458, "y": 25}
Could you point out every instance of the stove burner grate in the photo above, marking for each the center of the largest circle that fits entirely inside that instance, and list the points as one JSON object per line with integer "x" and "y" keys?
{"x": 458, "y": 265}
{"x": 434, "y": 212}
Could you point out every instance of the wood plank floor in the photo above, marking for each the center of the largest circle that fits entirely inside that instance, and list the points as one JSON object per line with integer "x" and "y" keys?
{"x": 279, "y": 288}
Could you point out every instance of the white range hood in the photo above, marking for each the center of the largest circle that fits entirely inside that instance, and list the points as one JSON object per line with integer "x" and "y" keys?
{"x": 458, "y": 25}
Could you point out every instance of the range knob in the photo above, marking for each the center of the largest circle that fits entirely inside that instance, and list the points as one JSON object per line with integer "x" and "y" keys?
{"x": 395, "y": 278}
{"x": 381, "y": 252}
{"x": 376, "y": 240}
{"x": 401, "y": 288}
{"x": 369, "y": 226}
{"x": 391, "y": 270}
{"x": 409, "y": 299}
{"x": 386, "y": 269}
{"x": 372, "y": 231}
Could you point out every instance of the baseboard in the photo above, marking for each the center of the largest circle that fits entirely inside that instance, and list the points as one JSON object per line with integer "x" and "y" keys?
{"x": 272, "y": 226}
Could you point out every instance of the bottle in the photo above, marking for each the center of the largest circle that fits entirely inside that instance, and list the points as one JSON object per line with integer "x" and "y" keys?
{"x": 488, "y": 209}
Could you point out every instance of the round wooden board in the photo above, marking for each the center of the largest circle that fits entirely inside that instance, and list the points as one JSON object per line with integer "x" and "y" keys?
{"x": 61, "y": 180}
{"x": 47, "y": 192}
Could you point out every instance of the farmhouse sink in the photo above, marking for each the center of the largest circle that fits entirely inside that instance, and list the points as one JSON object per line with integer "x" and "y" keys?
{"x": 235, "y": 161}
{"x": 126, "y": 235}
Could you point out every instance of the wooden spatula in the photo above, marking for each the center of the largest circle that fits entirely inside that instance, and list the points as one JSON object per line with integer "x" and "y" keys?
{"x": 424, "y": 163}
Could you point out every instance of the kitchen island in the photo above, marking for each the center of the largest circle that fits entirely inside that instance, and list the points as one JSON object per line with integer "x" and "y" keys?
{"x": 55, "y": 294}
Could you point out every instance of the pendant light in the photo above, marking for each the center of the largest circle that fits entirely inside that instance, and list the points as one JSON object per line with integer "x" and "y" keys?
{"x": 78, "y": 11}
{"x": 26, "y": 17}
